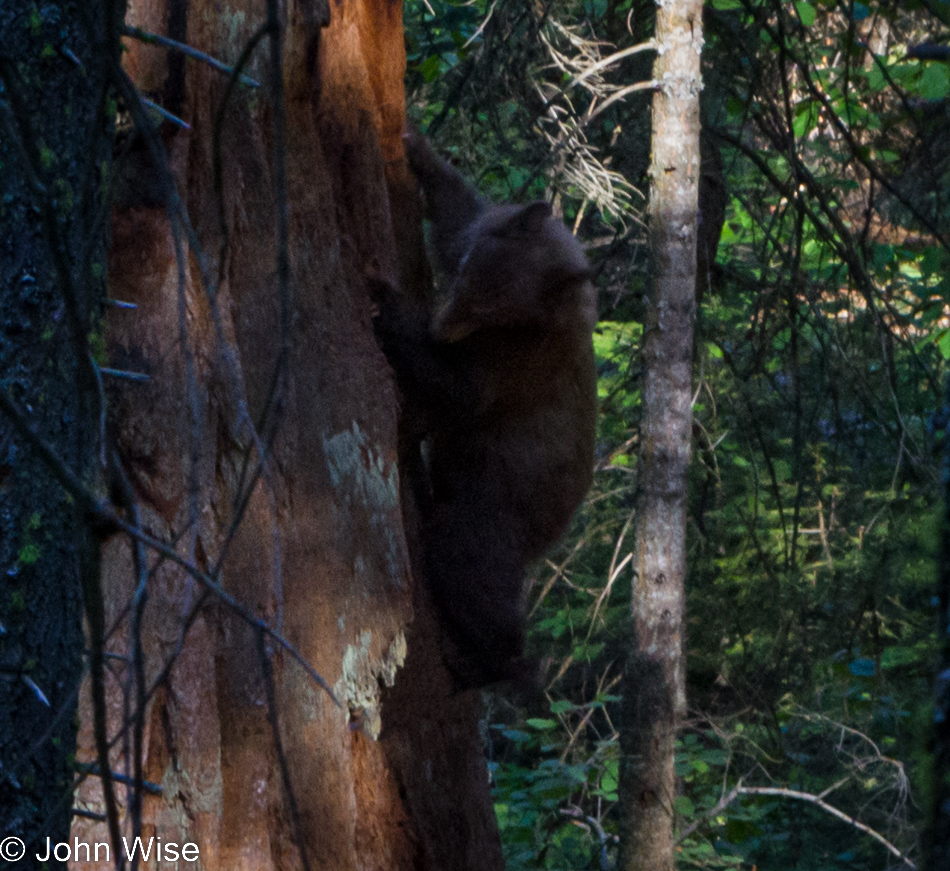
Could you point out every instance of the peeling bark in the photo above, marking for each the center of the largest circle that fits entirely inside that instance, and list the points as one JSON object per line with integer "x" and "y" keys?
{"x": 257, "y": 765}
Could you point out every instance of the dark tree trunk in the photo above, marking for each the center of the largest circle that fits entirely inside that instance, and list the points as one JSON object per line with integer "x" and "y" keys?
{"x": 654, "y": 693}
{"x": 55, "y": 142}
{"x": 937, "y": 835}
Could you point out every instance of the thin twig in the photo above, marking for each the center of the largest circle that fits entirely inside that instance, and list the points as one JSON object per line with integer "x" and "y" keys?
{"x": 166, "y": 115}
{"x": 724, "y": 802}
{"x": 146, "y": 785}
{"x": 102, "y": 515}
{"x": 649, "y": 45}
{"x": 89, "y": 382}
{"x": 120, "y": 373}
{"x": 187, "y": 50}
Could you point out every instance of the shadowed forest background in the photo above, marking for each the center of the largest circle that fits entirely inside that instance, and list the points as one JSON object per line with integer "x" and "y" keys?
{"x": 202, "y": 519}
{"x": 822, "y": 336}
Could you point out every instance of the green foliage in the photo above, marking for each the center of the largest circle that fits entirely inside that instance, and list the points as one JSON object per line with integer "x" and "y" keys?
{"x": 542, "y": 806}
{"x": 449, "y": 35}
{"x": 29, "y": 552}
{"x": 820, "y": 355}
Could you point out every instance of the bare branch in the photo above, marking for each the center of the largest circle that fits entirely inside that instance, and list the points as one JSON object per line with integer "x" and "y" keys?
{"x": 602, "y": 64}
{"x": 102, "y": 515}
{"x": 187, "y": 50}
{"x": 841, "y": 815}
{"x": 725, "y": 800}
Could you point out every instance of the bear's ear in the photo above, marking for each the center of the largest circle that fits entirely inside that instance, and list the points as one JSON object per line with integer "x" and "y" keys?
{"x": 527, "y": 220}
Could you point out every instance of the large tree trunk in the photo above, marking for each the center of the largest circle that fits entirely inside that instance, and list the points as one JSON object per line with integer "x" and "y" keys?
{"x": 55, "y": 133}
{"x": 251, "y": 759}
{"x": 654, "y": 692}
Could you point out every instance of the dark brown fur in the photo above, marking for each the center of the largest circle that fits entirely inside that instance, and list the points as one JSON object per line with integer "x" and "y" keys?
{"x": 504, "y": 372}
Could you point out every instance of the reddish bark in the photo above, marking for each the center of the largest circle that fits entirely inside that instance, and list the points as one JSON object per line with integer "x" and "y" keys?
{"x": 389, "y": 783}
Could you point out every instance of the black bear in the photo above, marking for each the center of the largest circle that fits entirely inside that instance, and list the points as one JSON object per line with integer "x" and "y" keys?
{"x": 504, "y": 373}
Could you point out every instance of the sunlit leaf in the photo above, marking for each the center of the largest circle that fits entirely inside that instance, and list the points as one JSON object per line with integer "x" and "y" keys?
{"x": 934, "y": 81}
{"x": 806, "y": 12}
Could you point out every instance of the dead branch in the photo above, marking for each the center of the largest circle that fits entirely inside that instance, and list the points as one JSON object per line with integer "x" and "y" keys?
{"x": 819, "y": 802}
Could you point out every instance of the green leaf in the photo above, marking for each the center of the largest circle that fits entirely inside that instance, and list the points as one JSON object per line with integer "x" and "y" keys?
{"x": 515, "y": 735}
{"x": 876, "y": 78}
{"x": 714, "y": 757}
{"x": 943, "y": 344}
{"x": 910, "y": 269}
{"x": 540, "y": 724}
{"x": 29, "y": 554}
{"x": 935, "y": 81}
{"x": 430, "y": 68}
{"x": 892, "y": 657}
{"x": 806, "y": 12}
{"x": 738, "y": 831}
{"x": 805, "y": 117}
{"x": 933, "y": 261}
{"x": 683, "y": 806}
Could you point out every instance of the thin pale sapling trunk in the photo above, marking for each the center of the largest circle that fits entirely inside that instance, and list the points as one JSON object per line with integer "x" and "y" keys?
{"x": 654, "y": 692}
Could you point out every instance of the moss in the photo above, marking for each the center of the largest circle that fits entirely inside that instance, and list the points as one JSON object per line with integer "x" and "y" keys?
{"x": 97, "y": 347}
{"x": 65, "y": 197}
{"x": 29, "y": 554}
